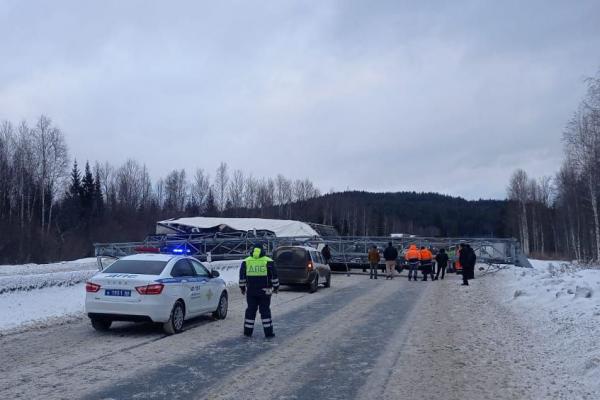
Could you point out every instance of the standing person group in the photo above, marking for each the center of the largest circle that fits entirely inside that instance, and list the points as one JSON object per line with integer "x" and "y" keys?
{"x": 423, "y": 259}
{"x": 467, "y": 260}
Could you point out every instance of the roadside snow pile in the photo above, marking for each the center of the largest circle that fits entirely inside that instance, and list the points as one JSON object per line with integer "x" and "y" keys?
{"x": 38, "y": 307}
{"x": 40, "y": 281}
{"x": 560, "y": 300}
{"x": 555, "y": 286}
{"x": 38, "y": 276}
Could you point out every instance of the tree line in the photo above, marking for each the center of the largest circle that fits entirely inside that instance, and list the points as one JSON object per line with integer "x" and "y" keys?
{"x": 559, "y": 215}
{"x": 51, "y": 208}
{"x": 54, "y": 208}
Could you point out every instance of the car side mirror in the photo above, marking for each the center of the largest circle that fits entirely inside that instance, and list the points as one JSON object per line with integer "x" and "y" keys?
{"x": 214, "y": 273}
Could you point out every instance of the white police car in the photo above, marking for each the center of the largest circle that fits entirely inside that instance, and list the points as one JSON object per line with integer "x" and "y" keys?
{"x": 154, "y": 287}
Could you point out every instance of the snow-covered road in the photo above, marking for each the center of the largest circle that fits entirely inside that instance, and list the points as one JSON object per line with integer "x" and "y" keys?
{"x": 361, "y": 339}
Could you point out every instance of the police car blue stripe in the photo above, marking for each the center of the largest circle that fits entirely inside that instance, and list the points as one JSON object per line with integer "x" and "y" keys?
{"x": 181, "y": 279}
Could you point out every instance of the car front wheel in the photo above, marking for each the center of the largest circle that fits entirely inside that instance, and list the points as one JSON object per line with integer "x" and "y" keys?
{"x": 175, "y": 322}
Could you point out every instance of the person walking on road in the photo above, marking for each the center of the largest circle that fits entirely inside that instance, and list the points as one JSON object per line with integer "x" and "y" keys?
{"x": 390, "y": 254}
{"x": 326, "y": 253}
{"x": 412, "y": 257}
{"x": 426, "y": 263}
{"x": 258, "y": 279}
{"x": 373, "y": 261}
{"x": 441, "y": 260}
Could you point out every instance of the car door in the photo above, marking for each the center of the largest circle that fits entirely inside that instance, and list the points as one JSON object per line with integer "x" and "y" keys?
{"x": 318, "y": 264}
{"x": 185, "y": 273}
{"x": 208, "y": 287}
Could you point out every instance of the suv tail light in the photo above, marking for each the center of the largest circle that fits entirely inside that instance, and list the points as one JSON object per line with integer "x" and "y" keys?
{"x": 91, "y": 287}
{"x": 310, "y": 266}
{"x": 155, "y": 288}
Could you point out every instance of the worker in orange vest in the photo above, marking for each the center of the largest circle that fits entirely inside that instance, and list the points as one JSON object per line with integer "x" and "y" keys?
{"x": 426, "y": 263}
{"x": 412, "y": 257}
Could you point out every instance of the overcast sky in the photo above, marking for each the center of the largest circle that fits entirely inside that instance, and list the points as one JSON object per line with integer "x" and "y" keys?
{"x": 375, "y": 95}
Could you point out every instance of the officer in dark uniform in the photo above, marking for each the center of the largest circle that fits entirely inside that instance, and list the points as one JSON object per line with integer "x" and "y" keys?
{"x": 258, "y": 279}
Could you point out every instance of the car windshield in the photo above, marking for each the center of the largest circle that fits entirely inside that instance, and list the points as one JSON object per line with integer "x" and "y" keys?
{"x": 290, "y": 256}
{"x": 142, "y": 267}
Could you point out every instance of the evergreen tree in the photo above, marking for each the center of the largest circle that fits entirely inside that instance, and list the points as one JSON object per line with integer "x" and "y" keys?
{"x": 211, "y": 206}
{"x": 88, "y": 189}
{"x": 74, "y": 191}
{"x": 98, "y": 197}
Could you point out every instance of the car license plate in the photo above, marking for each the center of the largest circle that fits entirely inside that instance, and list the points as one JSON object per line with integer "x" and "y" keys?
{"x": 117, "y": 292}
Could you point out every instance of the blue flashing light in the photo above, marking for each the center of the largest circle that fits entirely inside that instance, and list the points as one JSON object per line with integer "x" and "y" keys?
{"x": 181, "y": 251}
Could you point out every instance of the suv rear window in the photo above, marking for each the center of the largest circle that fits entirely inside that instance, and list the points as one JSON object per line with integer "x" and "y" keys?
{"x": 142, "y": 267}
{"x": 290, "y": 256}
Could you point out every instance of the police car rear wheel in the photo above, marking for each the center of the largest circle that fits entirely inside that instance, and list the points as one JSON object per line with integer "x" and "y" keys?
{"x": 101, "y": 325}
{"x": 175, "y": 323}
{"x": 221, "y": 311}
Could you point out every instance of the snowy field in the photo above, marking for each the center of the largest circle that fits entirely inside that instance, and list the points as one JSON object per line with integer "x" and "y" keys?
{"x": 34, "y": 295}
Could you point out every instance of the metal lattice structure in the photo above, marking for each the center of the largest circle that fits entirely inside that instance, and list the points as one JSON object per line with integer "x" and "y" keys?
{"x": 346, "y": 250}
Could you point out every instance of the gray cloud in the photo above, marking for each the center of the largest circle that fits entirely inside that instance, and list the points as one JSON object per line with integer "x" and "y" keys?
{"x": 369, "y": 95}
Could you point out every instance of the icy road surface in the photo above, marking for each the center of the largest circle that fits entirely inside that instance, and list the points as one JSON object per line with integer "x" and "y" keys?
{"x": 360, "y": 339}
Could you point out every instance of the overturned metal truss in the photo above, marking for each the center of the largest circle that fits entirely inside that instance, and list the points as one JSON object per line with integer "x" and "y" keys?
{"x": 346, "y": 251}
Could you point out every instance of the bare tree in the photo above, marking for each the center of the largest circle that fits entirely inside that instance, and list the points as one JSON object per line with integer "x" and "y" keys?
{"x": 51, "y": 152}
{"x": 176, "y": 191}
{"x": 106, "y": 172}
{"x": 518, "y": 191}
{"x": 221, "y": 181}
{"x": 236, "y": 189}
{"x": 130, "y": 178}
{"x": 200, "y": 189}
{"x": 582, "y": 138}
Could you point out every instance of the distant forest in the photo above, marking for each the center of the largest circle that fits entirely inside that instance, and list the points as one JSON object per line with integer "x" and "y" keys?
{"x": 52, "y": 208}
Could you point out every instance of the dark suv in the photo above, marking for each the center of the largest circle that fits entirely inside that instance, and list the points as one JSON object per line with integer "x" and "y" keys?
{"x": 301, "y": 265}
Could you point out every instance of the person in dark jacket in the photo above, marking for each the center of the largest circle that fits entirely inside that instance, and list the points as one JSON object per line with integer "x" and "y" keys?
{"x": 441, "y": 260}
{"x": 326, "y": 252}
{"x": 390, "y": 254}
{"x": 258, "y": 279}
{"x": 472, "y": 262}
{"x": 467, "y": 259}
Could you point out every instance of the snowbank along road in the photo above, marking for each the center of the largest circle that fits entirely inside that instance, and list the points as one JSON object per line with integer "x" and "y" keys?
{"x": 362, "y": 339}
